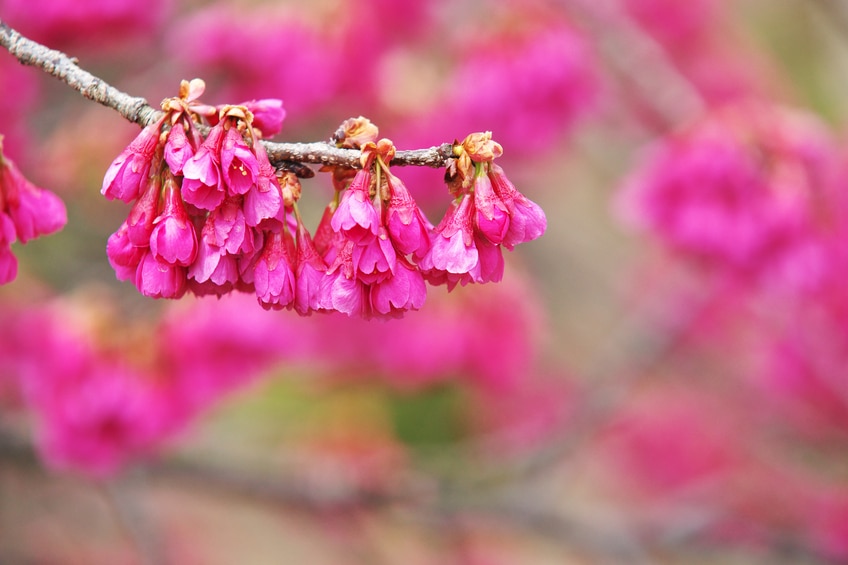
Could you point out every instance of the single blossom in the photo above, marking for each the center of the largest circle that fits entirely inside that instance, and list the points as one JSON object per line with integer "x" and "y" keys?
{"x": 453, "y": 256}
{"x": 268, "y": 115}
{"x": 356, "y": 216}
{"x": 403, "y": 291}
{"x": 8, "y": 261}
{"x": 123, "y": 255}
{"x": 309, "y": 272}
{"x": 144, "y": 212}
{"x": 273, "y": 274}
{"x": 179, "y": 147}
{"x": 202, "y": 183}
{"x": 238, "y": 163}
{"x": 174, "y": 239}
{"x": 158, "y": 279}
{"x": 127, "y": 176}
{"x": 491, "y": 217}
{"x": 527, "y": 220}
{"x": 406, "y": 223}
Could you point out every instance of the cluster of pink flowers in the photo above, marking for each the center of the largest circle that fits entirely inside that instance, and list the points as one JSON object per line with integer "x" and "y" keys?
{"x": 26, "y": 212}
{"x": 213, "y": 215}
{"x": 742, "y": 191}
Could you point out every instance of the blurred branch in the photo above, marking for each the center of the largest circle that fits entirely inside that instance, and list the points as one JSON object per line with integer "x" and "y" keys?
{"x": 637, "y": 58}
{"x": 139, "y": 111}
{"x": 136, "y": 522}
{"x": 836, "y": 13}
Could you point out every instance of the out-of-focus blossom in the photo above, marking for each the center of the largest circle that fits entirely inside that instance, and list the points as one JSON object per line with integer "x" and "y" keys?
{"x": 26, "y": 212}
{"x": 752, "y": 190}
{"x": 63, "y": 24}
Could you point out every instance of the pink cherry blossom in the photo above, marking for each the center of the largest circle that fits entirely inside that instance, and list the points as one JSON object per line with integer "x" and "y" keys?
{"x": 273, "y": 274}
{"x": 173, "y": 239}
{"x": 356, "y": 216}
{"x": 309, "y": 272}
{"x": 144, "y": 212}
{"x": 268, "y": 115}
{"x": 8, "y": 261}
{"x": 126, "y": 177}
{"x": 404, "y": 290}
{"x": 406, "y": 223}
{"x": 158, "y": 279}
{"x": 34, "y": 211}
{"x": 123, "y": 255}
{"x": 202, "y": 184}
{"x": 238, "y": 163}
{"x": 527, "y": 220}
{"x": 491, "y": 218}
{"x": 452, "y": 256}
{"x": 179, "y": 147}
{"x": 376, "y": 260}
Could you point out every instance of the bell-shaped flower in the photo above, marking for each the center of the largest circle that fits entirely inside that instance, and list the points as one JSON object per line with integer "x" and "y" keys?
{"x": 403, "y": 291}
{"x": 406, "y": 223}
{"x": 126, "y": 176}
{"x": 356, "y": 216}
{"x": 309, "y": 272}
{"x": 341, "y": 290}
{"x": 491, "y": 214}
{"x": 238, "y": 163}
{"x": 144, "y": 213}
{"x": 527, "y": 220}
{"x": 376, "y": 260}
{"x": 8, "y": 261}
{"x": 263, "y": 200}
{"x": 202, "y": 182}
{"x": 453, "y": 254}
{"x": 34, "y": 211}
{"x": 268, "y": 115}
{"x": 273, "y": 275}
{"x": 174, "y": 239}
{"x": 123, "y": 255}
{"x": 158, "y": 279}
{"x": 180, "y": 147}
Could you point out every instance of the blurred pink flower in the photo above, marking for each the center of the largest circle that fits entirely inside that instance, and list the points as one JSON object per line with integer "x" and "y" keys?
{"x": 743, "y": 190}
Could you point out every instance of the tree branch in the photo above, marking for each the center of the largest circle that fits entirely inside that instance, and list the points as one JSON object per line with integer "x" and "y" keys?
{"x": 139, "y": 111}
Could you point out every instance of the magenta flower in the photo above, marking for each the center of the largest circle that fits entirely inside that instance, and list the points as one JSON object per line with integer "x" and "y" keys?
{"x": 126, "y": 177}
{"x": 179, "y": 148}
{"x": 527, "y": 220}
{"x": 491, "y": 215}
{"x": 264, "y": 199}
{"x": 453, "y": 255}
{"x": 123, "y": 255}
{"x": 273, "y": 275}
{"x": 376, "y": 260}
{"x": 214, "y": 271}
{"x": 341, "y": 290}
{"x": 309, "y": 273}
{"x": 144, "y": 213}
{"x": 268, "y": 115}
{"x": 405, "y": 290}
{"x": 202, "y": 182}
{"x": 8, "y": 261}
{"x": 356, "y": 216}
{"x": 406, "y": 223}
{"x": 158, "y": 279}
{"x": 26, "y": 212}
{"x": 174, "y": 239}
{"x": 34, "y": 211}
{"x": 238, "y": 163}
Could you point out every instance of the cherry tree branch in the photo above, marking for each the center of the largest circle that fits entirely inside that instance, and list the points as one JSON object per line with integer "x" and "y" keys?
{"x": 139, "y": 111}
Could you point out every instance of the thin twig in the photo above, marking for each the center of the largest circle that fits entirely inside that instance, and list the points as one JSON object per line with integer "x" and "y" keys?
{"x": 139, "y": 111}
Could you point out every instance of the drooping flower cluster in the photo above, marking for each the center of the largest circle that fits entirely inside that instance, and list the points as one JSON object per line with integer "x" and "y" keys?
{"x": 486, "y": 214}
{"x": 26, "y": 212}
{"x": 213, "y": 215}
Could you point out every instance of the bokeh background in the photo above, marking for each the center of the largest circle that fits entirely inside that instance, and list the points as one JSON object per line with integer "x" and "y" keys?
{"x": 661, "y": 378}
